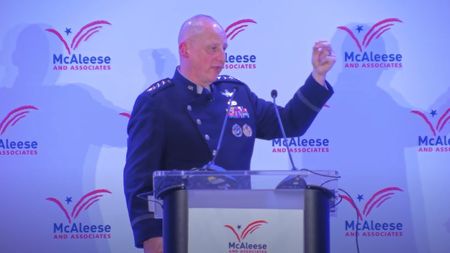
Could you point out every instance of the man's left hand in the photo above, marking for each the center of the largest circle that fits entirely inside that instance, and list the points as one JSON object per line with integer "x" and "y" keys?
{"x": 323, "y": 59}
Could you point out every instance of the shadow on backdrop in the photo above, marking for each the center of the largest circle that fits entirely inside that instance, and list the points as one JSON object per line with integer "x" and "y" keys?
{"x": 368, "y": 132}
{"x": 69, "y": 123}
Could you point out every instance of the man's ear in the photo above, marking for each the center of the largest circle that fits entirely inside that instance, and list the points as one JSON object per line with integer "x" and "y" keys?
{"x": 183, "y": 48}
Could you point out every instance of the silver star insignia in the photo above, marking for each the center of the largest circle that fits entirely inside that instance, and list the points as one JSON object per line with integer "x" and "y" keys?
{"x": 227, "y": 93}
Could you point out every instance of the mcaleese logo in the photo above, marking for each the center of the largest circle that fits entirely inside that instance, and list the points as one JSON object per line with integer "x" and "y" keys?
{"x": 240, "y": 245}
{"x": 239, "y": 61}
{"x": 362, "y": 55}
{"x": 77, "y": 61}
{"x": 301, "y": 145}
{"x": 71, "y": 229}
{"x": 367, "y": 227}
{"x": 437, "y": 140}
{"x": 17, "y": 147}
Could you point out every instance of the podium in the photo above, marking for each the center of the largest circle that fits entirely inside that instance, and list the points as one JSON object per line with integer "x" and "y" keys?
{"x": 245, "y": 211}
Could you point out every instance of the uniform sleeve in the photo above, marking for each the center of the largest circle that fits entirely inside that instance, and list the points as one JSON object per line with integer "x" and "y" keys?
{"x": 144, "y": 153}
{"x": 297, "y": 115}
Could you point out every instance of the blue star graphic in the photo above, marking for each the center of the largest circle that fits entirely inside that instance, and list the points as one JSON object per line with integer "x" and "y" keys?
{"x": 68, "y": 200}
{"x": 68, "y": 31}
{"x": 433, "y": 113}
{"x": 360, "y": 197}
{"x": 359, "y": 28}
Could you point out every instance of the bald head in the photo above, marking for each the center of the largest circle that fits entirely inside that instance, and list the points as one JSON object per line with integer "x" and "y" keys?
{"x": 201, "y": 44}
{"x": 197, "y": 25}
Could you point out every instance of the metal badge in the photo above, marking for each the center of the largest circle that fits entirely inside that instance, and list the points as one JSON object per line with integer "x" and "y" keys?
{"x": 247, "y": 130}
{"x": 236, "y": 130}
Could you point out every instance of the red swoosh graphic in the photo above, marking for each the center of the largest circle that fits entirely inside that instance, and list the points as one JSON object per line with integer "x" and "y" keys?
{"x": 237, "y": 28}
{"x": 76, "y": 207}
{"x": 441, "y": 119}
{"x": 75, "y": 39}
{"x": 58, "y": 203}
{"x": 7, "y": 120}
{"x": 60, "y": 38}
{"x": 445, "y": 122}
{"x": 93, "y": 29}
{"x": 89, "y": 201}
{"x": 94, "y": 32}
{"x": 18, "y": 119}
{"x": 14, "y": 119}
{"x": 381, "y": 33}
{"x": 382, "y": 201}
{"x": 125, "y": 114}
{"x": 87, "y": 207}
{"x": 238, "y": 32}
{"x": 239, "y": 22}
{"x": 349, "y": 200}
{"x": 375, "y": 197}
{"x": 251, "y": 226}
{"x": 377, "y": 32}
{"x": 255, "y": 227}
{"x": 424, "y": 117}
{"x": 382, "y": 198}
{"x": 234, "y": 232}
{"x": 352, "y": 35}
{"x": 369, "y": 33}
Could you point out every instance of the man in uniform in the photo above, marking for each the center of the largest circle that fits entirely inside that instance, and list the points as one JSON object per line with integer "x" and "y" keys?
{"x": 176, "y": 123}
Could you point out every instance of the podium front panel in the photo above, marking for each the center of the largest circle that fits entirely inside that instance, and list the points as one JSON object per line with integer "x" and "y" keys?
{"x": 236, "y": 221}
{"x": 245, "y": 211}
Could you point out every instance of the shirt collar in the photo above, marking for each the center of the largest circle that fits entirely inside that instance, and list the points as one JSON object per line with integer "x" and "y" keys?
{"x": 179, "y": 78}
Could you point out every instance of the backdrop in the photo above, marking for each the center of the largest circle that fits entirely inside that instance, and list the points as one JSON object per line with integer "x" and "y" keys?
{"x": 71, "y": 70}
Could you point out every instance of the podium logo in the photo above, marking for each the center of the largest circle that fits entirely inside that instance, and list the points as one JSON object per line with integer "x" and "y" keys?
{"x": 241, "y": 233}
{"x": 72, "y": 61}
{"x": 362, "y": 56}
{"x": 437, "y": 140}
{"x": 239, "y": 61}
{"x": 79, "y": 230}
{"x": 250, "y": 228}
{"x": 14, "y": 147}
{"x": 367, "y": 227}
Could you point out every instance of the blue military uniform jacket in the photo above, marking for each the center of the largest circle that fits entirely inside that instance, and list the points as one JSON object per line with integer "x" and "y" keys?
{"x": 174, "y": 127}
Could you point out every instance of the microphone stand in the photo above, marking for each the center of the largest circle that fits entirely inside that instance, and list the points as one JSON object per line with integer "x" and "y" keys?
{"x": 290, "y": 182}
{"x": 212, "y": 164}
{"x": 223, "y": 182}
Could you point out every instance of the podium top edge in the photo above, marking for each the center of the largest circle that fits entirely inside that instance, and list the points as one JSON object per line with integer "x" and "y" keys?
{"x": 300, "y": 172}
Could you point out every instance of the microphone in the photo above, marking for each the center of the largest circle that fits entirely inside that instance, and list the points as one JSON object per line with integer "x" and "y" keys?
{"x": 290, "y": 182}
{"x": 225, "y": 120}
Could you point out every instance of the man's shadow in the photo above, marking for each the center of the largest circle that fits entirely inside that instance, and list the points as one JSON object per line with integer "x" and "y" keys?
{"x": 369, "y": 127}
{"x": 161, "y": 60}
{"x": 69, "y": 123}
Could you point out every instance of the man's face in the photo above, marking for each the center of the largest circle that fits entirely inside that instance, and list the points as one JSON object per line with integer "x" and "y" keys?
{"x": 207, "y": 54}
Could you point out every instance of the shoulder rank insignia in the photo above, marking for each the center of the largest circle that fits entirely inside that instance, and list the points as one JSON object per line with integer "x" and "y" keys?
{"x": 159, "y": 85}
{"x": 228, "y": 79}
{"x": 225, "y": 78}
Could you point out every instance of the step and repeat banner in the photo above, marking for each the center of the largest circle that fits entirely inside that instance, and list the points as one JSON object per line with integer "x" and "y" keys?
{"x": 71, "y": 70}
